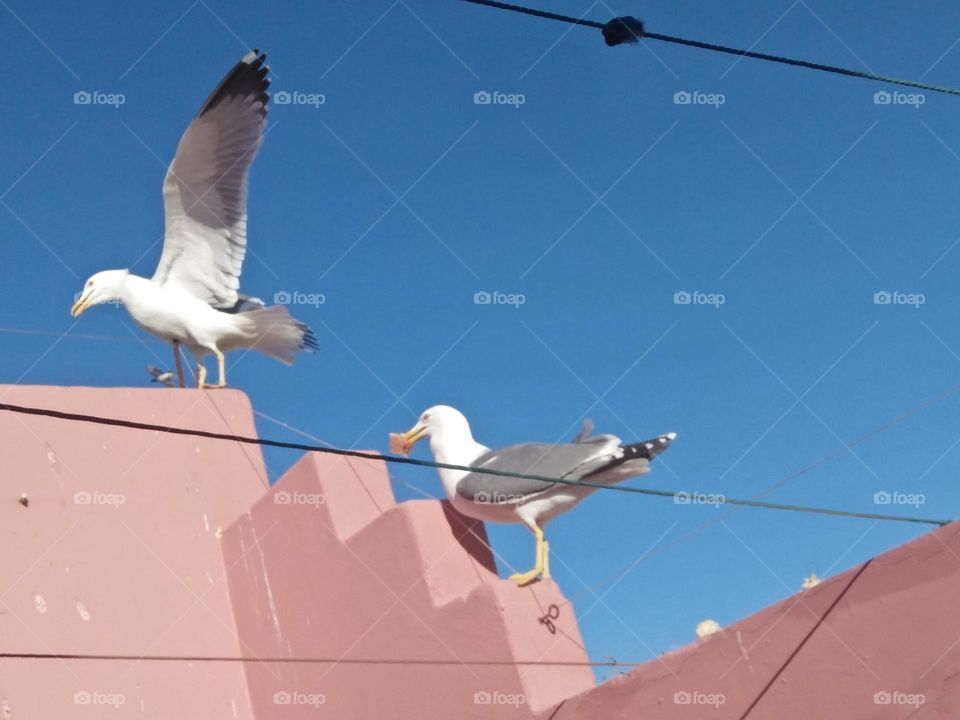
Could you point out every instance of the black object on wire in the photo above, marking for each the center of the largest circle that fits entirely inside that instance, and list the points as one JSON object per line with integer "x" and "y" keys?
{"x": 630, "y": 30}
{"x": 680, "y": 497}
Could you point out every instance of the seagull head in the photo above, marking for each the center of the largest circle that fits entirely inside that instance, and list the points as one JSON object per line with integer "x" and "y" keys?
{"x": 100, "y": 288}
{"x": 441, "y": 422}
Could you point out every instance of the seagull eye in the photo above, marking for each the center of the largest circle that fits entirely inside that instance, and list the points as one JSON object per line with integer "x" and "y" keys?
{"x": 425, "y": 417}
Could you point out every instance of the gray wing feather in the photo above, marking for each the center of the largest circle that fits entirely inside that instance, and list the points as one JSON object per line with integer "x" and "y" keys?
{"x": 205, "y": 189}
{"x": 573, "y": 461}
{"x": 584, "y": 435}
{"x": 584, "y": 431}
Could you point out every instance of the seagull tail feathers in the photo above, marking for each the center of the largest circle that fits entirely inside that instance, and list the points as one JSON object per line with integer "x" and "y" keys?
{"x": 648, "y": 449}
{"x": 632, "y": 460}
{"x": 274, "y": 332}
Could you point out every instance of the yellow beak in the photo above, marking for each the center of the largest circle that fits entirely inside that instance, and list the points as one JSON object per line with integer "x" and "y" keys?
{"x": 403, "y": 442}
{"x": 79, "y": 306}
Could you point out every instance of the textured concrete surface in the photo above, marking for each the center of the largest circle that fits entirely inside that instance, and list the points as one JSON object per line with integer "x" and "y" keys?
{"x": 117, "y": 552}
{"x": 890, "y": 648}
{"x": 159, "y": 550}
{"x": 204, "y": 593}
{"x": 327, "y": 566}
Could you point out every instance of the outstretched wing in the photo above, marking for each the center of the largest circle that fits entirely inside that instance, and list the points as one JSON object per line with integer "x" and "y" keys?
{"x": 205, "y": 190}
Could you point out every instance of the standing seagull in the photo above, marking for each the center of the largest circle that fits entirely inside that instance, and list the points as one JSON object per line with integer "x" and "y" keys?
{"x": 598, "y": 459}
{"x": 192, "y": 298}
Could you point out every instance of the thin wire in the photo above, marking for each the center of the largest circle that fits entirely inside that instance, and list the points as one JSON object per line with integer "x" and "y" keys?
{"x": 836, "y": 452}
{"x": 718, "y": 498}
{"x": 635, "y": 33}
{"x": 314, "y": 660}
{"x": 796, "y": 651}
{"x": 73, "y": 336}
{"x": 538, "y": 13}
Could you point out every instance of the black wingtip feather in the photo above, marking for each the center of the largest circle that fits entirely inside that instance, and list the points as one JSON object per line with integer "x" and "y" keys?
{"x": 648, "y": 449}
{"x": 248, "y": 79}
{"x": 309, "y": 343}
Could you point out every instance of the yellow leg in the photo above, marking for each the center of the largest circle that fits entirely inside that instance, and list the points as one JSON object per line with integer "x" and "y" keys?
{"x": 546, "y": 561}
{"x": 221, "y": 367}
{"x": 541, "y": 564}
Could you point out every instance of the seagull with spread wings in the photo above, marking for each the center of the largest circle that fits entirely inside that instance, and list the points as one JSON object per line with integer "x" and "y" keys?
{"x": 598, "y": 459}
{"x": 192, "y": 298}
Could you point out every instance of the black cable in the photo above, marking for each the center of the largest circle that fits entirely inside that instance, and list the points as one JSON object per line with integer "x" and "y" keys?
{"x": 301, "y": 660}
{"x": 716, "y": 499}
{"x": 628, "y": 30}
{"x": 799, "y": 647}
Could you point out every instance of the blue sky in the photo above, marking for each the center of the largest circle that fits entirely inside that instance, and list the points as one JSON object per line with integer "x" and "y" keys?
{"x": 797, "y": 200}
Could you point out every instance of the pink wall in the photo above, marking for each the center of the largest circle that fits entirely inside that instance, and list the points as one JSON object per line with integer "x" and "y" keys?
{"x": 118, "y": 553}
{"x": 327, "y": 566}
{"x": 889, "y": 649}
{"x": 133, "y": 544}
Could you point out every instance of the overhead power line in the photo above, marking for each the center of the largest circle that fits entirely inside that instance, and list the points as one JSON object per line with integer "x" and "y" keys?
{"x": 309, "y": 660}
{"x": 678, "y": 495}
{"x": 630, "y": 30}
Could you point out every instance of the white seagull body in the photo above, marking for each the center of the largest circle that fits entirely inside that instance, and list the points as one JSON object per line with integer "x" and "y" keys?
{"x": 193, "y": 298}
{"x": 600, "y": 459}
